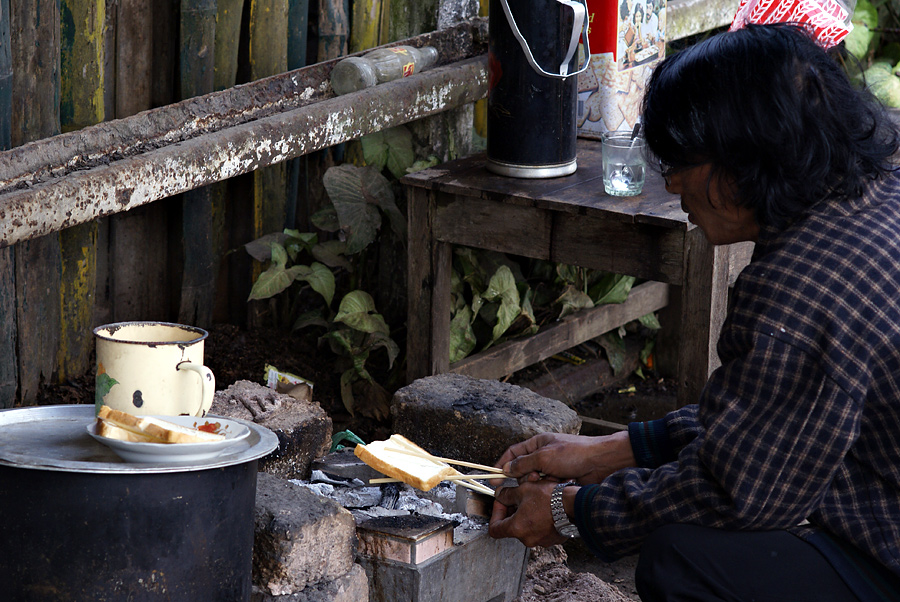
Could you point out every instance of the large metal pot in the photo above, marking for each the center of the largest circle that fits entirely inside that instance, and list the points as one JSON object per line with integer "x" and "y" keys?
{"x": 78, "y": 523}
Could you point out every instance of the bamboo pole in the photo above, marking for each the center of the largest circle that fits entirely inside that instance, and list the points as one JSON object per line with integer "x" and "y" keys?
{"x": 298, "y": 29}
{"x": 410, "y": 17}
{"x": 81, "y": 105}
{"x": 35, "y": 115}
{"x": 228, "y": 33}
{"x": 198, "y": 284}
{"x": 268, "y": 56}
{"x": 334, "y": 29}
{"x": 365, "y": 22}
{"x": 8, "y": 369}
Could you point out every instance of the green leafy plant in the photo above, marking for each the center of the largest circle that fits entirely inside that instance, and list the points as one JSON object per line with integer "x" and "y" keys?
{"x": 363, "y": 204}
{"x": 874, "y": 43}
{"x": 495, "y": 298}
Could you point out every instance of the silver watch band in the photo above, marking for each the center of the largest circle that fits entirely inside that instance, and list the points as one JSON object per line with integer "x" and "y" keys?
{"x": 563, "y": 526}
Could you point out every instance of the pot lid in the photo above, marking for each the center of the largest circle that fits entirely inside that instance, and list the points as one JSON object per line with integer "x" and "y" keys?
{"x": 55, "y": 437}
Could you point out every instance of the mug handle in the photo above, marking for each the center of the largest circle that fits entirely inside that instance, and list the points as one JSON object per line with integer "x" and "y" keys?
{"x": 208, "y": 381}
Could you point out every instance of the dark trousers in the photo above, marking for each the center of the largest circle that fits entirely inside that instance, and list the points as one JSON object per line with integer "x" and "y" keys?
{"x": 686, "y": 562}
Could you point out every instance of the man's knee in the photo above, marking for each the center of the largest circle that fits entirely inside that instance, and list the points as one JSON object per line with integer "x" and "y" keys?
{"x": 664, "y": 566}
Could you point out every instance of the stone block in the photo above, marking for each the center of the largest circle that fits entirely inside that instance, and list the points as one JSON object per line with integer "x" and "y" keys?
{"x": 470, "y": 419}
{"x": 352, "y": 587}
{"x": 303, "y": 427}
{"x": 300, "y": 538}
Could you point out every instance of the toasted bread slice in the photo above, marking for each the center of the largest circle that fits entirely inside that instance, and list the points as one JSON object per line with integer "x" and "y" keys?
{"x": 111, "y": 431}
{"x": 421, "y": 473}
{"x": 162, "y": 431}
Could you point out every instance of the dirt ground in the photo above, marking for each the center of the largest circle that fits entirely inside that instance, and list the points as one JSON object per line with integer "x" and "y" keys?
{"x": 572, "y": 573}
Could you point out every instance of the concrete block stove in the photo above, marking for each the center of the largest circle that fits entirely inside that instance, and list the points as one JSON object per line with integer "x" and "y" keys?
{"x": 428, "y": 547}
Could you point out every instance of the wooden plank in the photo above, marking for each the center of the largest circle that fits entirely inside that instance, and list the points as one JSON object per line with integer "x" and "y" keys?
{"x": 228, "y": 33}
{"x": 134, "y": 57}
{"x": 165, "y": 53}
{"x": 739, "y": 255}
{"x": 35, "y": 104}
{"x": 573, "y": 330}
{"x": 198, "y": 282}
{"x": 268, "y": 56}
{"x": 704, "y": 302}
{"x": 650, "y": 252}
{"x": 365, "y": 25}
{"x": 298, "y": 29}
{"x": 298, "y": 33}
{"x": 334, "y": 29}
{"x": 494, "y": 226}
{"x": 128, "y": 183}
{"x": 137, "y": 243}
{"x": 35, "y": 115}
{"x": 138, "y": 249}
{"x": 197, "y": 56}
{"x": 6, "y": 77}
{"x": 81, "y": 104}
{"x": 9, "y": 379}
{"x": 420, "y": 283}
{"x": 53, "y": 157}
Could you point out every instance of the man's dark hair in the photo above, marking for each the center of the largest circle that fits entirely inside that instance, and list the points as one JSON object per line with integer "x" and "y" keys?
{"x": 767, "y": 107}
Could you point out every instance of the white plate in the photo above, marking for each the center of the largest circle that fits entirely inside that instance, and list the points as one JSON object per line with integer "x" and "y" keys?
{"x": 177, "y": 452}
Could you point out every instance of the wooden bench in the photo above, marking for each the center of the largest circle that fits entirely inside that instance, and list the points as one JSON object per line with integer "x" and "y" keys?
{"x": 568, "y": 220}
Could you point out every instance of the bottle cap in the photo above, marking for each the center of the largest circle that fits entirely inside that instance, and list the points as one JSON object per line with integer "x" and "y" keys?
{"x": 352, "y": 74}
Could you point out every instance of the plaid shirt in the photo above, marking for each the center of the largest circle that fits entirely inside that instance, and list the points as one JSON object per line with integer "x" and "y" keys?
{"x": 802, "y": 420}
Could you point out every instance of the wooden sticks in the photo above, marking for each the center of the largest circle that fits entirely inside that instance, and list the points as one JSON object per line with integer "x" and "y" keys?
{"x": 462, "y": 479}
{"x": 409, "y": 452}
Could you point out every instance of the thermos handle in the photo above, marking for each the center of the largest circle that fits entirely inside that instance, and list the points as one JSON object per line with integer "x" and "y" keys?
{"x": 579, "y": 28}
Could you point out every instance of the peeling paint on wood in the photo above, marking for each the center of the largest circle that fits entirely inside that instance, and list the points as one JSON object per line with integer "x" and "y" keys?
{"x": 122, "y": 185}
{"x": 365, "y": 24}
{"x": 50, "y": 158}
{"x": 9, "y": 379}
{"x": 35, "y": 103}
{"x": 82, "y": 104}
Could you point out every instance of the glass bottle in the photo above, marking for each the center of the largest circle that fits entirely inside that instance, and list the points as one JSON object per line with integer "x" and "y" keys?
{"x": 379, "y": 66}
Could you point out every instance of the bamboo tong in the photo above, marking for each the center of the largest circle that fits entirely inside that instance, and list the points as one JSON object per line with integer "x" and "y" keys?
{"x": 466, "y": 480}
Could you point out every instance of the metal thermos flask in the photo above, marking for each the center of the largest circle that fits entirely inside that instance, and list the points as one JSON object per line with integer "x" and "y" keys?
{"x": 533, "y": 89}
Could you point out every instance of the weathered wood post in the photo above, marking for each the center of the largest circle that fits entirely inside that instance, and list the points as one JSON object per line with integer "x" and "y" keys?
{"x": 298, "y": 28}
{"x": 198, "y": 283}
{"x": 81, "y": 104}
{"x": 138, "y": 274}
{"x": 8, "y": 356}
{"x": 35, "y": 115}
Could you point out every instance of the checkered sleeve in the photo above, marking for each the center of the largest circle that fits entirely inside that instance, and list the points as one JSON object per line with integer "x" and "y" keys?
{"x": 773, "y": 429}
{"x": 657, "y": 442}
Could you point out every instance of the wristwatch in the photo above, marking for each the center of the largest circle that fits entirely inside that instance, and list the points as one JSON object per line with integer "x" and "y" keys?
{"x": 560, "y": 520}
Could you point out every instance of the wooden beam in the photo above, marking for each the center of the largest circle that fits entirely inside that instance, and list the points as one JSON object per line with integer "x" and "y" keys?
{"x": 198, "y": 281}
{"x": 104, "y": 189}
{"x": 573, "y": 330}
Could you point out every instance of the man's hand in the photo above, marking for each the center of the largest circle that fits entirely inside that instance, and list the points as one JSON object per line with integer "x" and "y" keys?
{"x": 523, "y": 512}
{"x": 585, "y": 459}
